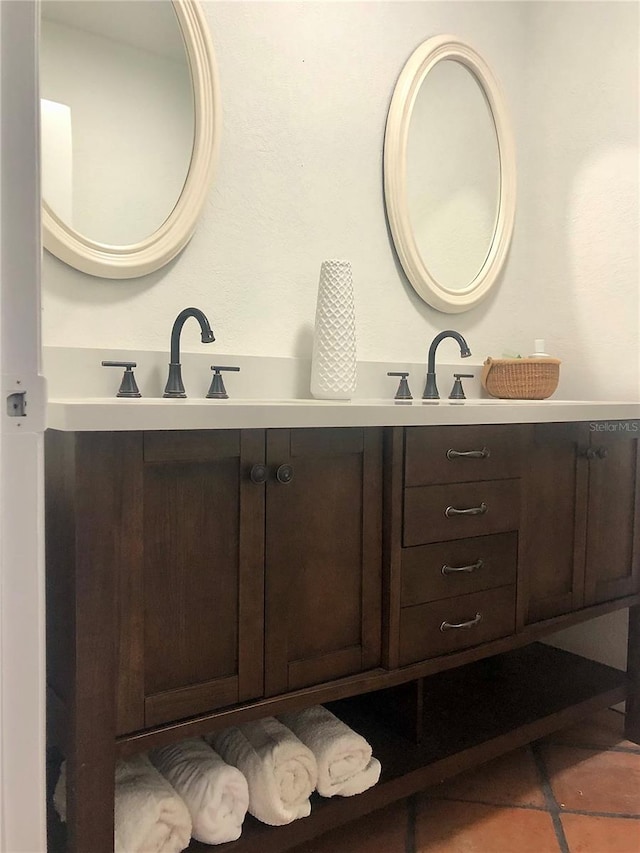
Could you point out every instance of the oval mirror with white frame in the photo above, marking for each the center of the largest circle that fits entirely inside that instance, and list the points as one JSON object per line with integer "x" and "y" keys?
{"x": 449, "y": 174}
{"x": 130, "y": 127}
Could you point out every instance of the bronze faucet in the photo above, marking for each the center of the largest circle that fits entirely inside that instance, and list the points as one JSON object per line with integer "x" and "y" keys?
{"x": 174, "y": 386}
{"x": 430, "y": 388}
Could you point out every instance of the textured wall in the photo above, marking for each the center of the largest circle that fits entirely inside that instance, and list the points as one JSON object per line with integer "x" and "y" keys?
{"x": 305, "y": 87}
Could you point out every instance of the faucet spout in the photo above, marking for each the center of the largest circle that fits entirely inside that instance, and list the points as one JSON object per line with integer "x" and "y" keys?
{"x": 431, "y": 388}
{"x": 174, "y": 386}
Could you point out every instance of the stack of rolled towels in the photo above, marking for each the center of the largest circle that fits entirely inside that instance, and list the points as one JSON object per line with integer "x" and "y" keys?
{"x": 203, "y": 787}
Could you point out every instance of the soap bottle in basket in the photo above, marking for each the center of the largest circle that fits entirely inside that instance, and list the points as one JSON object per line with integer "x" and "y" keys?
{"x": 538, "y": 347}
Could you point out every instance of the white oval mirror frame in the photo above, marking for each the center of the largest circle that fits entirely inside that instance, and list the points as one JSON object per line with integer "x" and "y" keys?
{"x": 422, "y": 60}
{"x": 138, "y": 259}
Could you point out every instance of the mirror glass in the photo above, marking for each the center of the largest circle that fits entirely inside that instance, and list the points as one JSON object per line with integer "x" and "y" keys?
{"x": 449, "y": 174}
{"x": 453, "y": 174}
{"x": 117, "y": 116}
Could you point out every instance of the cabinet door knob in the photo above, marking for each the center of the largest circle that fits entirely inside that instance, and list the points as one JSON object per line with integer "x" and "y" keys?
{"x": 284, "y": 474}
{"x": 451, "y": 511}
{"x": 595, "y": 453}
{"x": 258, "y": 473}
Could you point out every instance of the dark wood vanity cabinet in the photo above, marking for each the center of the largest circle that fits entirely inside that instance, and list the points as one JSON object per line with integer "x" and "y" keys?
{"x": 579, "y": 542}
{"x": 245, "y": 563}
{"x": 453, "y": 556}
{"x": 199, "y": 579}
{"x": 323, "y": 547}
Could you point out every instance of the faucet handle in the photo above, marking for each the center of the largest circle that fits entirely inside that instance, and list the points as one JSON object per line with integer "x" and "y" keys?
{"x": 217, "y": 391}
{"x": 457, "y": 392}
{"x": 128, "y": 386}
{"x": 403, "y": 392}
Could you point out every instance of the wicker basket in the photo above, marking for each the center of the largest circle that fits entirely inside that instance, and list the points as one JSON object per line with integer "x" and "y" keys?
{"x": 521, "y": 378}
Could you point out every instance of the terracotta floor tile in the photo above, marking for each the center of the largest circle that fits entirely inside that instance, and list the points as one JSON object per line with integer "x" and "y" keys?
{"x": 603, "y": 729}
{"x": 589, "y": 834}
{"x": 383, "y": 831}
{"x": 446, "y": 826}
{"x": 510, "y": 780}
{"x": 594, "y": 781}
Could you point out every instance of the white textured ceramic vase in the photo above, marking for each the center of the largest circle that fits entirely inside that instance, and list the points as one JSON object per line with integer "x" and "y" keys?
{"x": 333, "y": 363}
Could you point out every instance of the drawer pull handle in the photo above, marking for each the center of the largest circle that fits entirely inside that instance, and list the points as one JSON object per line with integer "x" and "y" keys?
{"x": 471, "y": 623}
{"x": 451, "y": 511}
{"x": 485, "y": 453}
{"x": 452, "y": 570}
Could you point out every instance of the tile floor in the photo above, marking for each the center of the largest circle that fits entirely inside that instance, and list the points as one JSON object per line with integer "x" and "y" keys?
{"x": 577, "y": 791}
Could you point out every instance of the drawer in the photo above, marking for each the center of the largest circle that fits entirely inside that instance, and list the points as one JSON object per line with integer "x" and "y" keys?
{"x": 423, "y": 633}
{"x": 431, "y": 572}
{"x": 426, "y": 507}
{"x": 431, "y": 453}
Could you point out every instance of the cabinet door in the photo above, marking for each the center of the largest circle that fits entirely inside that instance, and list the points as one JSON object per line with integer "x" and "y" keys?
{"x": 323, "y": 556}
{"x": 551, "y": 542}
{"x": 192, "y": 587}
{"x": 613, "y": 547}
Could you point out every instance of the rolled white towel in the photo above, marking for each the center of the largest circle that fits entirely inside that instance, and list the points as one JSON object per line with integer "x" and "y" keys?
{"x": 215, "y": 793}
{"x": 345, "y": 762}
{"x": 149, "y": 816}
{"x": 280, "y": 771}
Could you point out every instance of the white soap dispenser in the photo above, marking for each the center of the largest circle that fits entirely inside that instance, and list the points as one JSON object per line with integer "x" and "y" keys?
{"x": 538, "y": 347}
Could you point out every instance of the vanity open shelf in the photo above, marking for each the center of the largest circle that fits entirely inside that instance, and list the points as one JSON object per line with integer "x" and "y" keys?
{"x": 466, "y": 716}
{"x": 202, "y": 578}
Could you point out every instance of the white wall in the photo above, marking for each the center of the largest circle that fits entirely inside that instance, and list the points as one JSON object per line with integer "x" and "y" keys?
{"x": 305, "y": 88}
{"x": 579, "y": 184}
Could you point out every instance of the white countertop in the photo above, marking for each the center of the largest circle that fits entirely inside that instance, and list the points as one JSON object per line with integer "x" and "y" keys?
{"x": 107, "y": 414}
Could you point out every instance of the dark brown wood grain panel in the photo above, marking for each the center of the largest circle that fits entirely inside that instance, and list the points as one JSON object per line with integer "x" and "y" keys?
{"x": 325, "y": 667}
{"x": 190, "y": 444}
{"x": 613, "y": 552}
{"x": 426, "y": 461}
{"x": 320, "y": 440}
{"x": 425, "y": 520}
{"x": 320, "y": 576}
{"x": 191, "y": 536}
{"x": 60, "y": 530}
{"x": 203, "y": 577}
{"x": 251, "y": 569}
{"x": 421, "y": 634}
{"x": 190, "y": 701}
{"x": 428, "y": 571}
{"x": 371, "y": 635}
{"x": 550, "y": 534}
{"x": 92, "y": 723}
{"x": 129, "y": 567}
{"x": 392, "y": 543}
